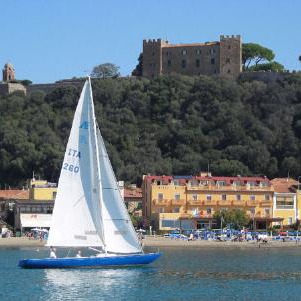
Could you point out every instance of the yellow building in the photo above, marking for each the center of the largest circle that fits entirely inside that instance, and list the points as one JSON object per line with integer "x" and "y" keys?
{"x": 42, "y": 190}
{"x": 285, "y": 203}
{"x": 189, "y": 202}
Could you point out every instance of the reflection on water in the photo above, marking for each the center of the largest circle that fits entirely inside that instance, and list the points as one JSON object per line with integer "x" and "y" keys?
{"x": 82, "y": 283}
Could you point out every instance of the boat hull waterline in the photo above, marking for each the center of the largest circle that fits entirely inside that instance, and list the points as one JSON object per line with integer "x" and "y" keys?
{"x": 89, "y": 262}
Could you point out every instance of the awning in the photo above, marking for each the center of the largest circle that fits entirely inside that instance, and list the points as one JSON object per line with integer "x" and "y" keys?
{"x": 29, "y": 220}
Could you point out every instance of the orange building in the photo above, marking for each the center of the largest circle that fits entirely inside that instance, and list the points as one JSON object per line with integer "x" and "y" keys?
{"x": 189, "y": 202}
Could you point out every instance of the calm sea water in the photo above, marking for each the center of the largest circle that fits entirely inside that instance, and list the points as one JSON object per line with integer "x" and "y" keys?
{"x": 181, "y": 274}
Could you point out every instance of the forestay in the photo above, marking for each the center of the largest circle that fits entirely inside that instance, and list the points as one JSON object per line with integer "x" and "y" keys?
{"x": 76, "y": 216}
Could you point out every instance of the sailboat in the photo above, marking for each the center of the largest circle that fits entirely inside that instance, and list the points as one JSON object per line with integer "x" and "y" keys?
{"x": 89, "y": 211}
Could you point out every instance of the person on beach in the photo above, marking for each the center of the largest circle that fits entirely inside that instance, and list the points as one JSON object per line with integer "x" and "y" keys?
{"x": 52, "y": 253}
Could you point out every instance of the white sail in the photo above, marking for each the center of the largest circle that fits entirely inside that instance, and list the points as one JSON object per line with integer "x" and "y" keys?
{"x": 76, "y": 216}
{"x": 119, "y": 233}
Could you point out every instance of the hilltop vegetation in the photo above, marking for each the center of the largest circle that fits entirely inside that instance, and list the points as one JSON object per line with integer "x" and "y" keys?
{"x": 169, "y": 125}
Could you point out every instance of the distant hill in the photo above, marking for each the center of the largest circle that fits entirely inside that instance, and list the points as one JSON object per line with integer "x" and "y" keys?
{"x": 169, "y": 125}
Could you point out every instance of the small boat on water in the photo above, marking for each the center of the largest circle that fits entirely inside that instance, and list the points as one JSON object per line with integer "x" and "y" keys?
{"x": 89, "y": 211}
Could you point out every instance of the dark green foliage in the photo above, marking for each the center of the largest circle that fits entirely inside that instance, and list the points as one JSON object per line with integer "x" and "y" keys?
{"x": 169, "y": 125}
{"x": 236, "y": 218}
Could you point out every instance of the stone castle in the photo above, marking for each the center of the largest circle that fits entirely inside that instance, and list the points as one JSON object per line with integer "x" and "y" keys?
{"x": 209, "y": 58}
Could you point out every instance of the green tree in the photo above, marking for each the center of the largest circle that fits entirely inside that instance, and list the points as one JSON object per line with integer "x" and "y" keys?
{"x": 138, "y": 69}
{"x": 271, "y": 66}
{"x": 105, "y": 71}
{"x": 236, "y": 217}
{"x": 254, "y": 54}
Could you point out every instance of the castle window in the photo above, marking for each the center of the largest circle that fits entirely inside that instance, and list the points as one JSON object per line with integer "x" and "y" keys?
{"x": 169, "y": 63}
{"x": 184, "y": 52}
{"x": 212, "y": 61}
{"x": 228, "y": 60}
{"x": 197, "y": 63}
{"x": 183, "y": 64}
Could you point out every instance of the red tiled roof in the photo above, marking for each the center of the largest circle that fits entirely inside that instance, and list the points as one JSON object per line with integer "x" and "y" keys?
{"x": 14, "y": 194}
{"x": 132, "y": 193}
{"x": 228, "y": 180}
{"x": 284, "y": 185}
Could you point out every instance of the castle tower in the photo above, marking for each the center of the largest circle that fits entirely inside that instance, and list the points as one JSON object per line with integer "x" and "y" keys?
{"x": 152, "y": 57}
{"x": 230, "y": 55}
{"x": 8, "y": 72}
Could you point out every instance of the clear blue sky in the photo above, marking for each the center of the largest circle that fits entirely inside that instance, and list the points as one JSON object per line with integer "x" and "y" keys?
{"x": 49, "y": 40}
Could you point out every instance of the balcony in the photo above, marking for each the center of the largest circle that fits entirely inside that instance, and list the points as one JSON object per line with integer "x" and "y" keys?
{"x": 178, "y": 202}
{"x": 228, "y": 188}
{"x": 195, "y": 202}
{"x": 164, "y": 202}
{"x": 266, "y": 204}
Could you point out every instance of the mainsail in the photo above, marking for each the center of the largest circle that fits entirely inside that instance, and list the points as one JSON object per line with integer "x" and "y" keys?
{"x": 76, "y": 218}
{"x": 119, "y": 234}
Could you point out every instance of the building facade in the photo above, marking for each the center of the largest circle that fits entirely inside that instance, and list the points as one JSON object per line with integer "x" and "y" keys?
{"x": 285, "y": 201}
{"x": 220, "y": 57}
{"x": 190, "y": 202}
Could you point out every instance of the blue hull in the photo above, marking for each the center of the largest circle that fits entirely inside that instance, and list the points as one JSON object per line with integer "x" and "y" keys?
{"x": 89, "y": 262}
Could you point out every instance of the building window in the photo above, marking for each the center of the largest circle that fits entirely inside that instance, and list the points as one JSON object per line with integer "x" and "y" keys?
{"x": 195, "y": 197}
{"x": 184, "y": 52}
{"x": 177, "y": 196}
{"x": 212, "y": 61}
{"x": 183, "y": 64}
{"x": 267, "y": 211}
{"x": 252, "y": 211}
{"x": 208, "y": 197}
{"x": 229, "y": 71}
{"x": 228, "y": 60}
{"x": 153, "y": 53}
{"x": 212, "y": 51}
{"x": 267, "y": 197}
{"x": 160, "y": 196}
{"x": 224, "y": 197}
{"x": 238, "y": 197}
{"x": 252, "y": 197}
{"x": 229, "y": 47}
{"x": 198, "y": 51}
{"x": 284, "y": 202}
{"x": 169, "y": 63}
{"x": 208, "y": 210}
{"x": 176, "y": 210}
{"x": 289, "y": 220}
{"x": 197, "y": 63}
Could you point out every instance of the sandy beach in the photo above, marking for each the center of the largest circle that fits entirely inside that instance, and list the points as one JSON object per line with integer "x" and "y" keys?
{"x": 158, "y": 241}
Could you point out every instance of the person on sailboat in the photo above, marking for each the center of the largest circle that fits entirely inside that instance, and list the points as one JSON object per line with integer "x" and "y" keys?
{"x": 52, "y": 253}
{"x": 79, "y": 253}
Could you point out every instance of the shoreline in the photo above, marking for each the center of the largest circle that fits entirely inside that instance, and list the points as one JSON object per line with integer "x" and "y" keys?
{"x": 158, "y": 241}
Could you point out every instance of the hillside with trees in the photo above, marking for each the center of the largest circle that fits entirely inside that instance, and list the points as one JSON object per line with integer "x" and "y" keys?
{"x": 170, "y": 125}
